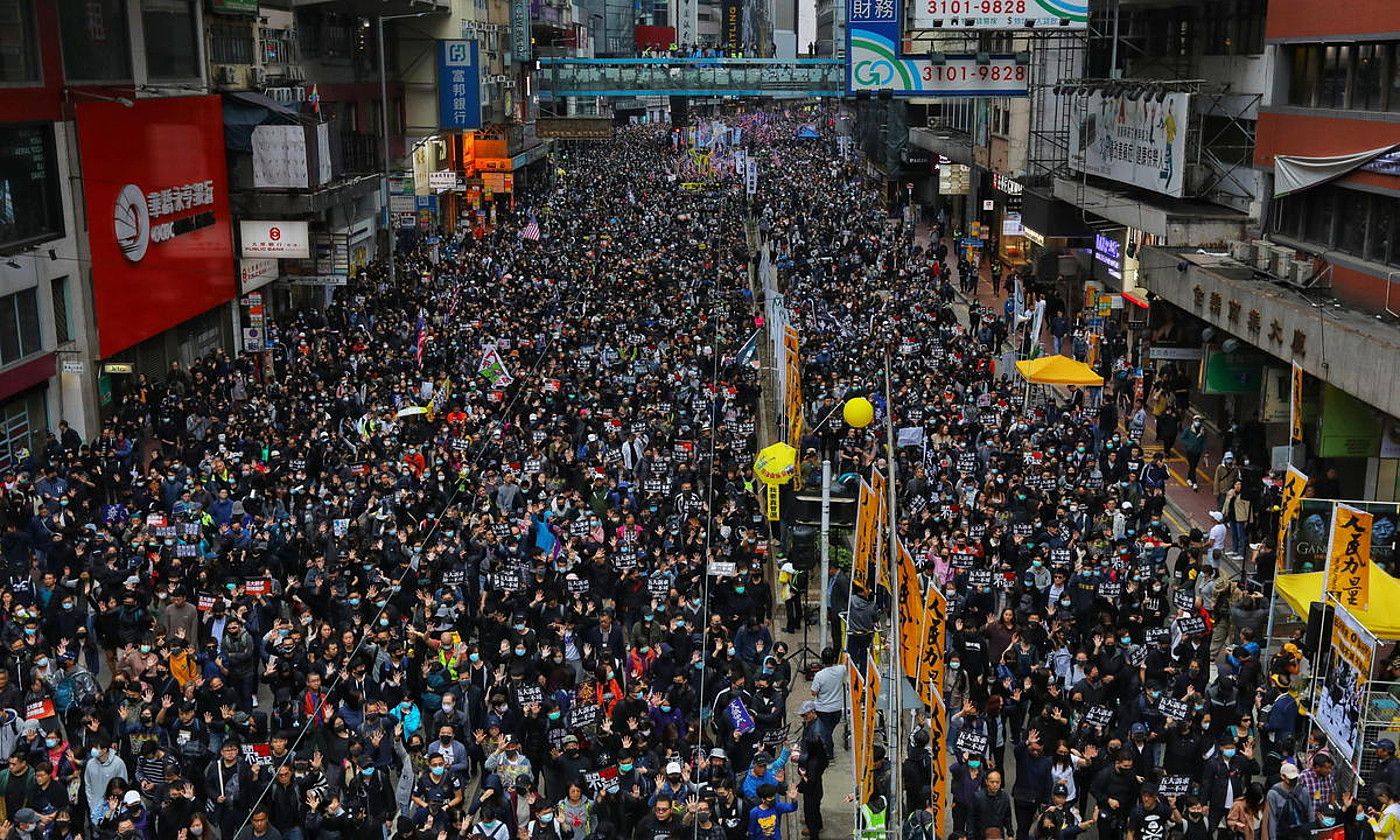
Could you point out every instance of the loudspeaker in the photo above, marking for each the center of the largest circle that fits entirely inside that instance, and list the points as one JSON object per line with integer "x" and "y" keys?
{"x": 800, "y": 546}
{"x": 1320, "y": 615}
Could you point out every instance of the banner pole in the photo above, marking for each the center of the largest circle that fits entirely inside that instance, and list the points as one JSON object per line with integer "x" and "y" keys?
{"x": 893, "y": 745}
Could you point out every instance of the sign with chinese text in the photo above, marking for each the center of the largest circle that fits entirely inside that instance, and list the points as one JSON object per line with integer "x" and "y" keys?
{"x": 158, "y": 220}
{"x": 459, "y": 85}
{"x": 1343, "y": 686}
{"x": 1135, "y": 141}
{"x": 1349, "y": 558}
{"x": 520, "y": 31}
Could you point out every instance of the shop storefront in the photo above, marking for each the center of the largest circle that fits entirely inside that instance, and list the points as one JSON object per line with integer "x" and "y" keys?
{"x": 1007, "y": 220}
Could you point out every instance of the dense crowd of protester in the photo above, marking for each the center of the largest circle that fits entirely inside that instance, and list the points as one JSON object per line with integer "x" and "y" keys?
{"x": 287, "y": 604}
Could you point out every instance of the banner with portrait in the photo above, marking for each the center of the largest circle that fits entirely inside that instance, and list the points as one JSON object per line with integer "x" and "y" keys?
{"x": 1342, "y": 691}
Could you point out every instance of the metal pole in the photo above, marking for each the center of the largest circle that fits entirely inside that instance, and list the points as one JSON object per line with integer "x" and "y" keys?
{"x": 825, "y": 552}
{"x": 894, "y": 746}
{"x": 1113, "y": 50}
{"x": 384, "y": 133}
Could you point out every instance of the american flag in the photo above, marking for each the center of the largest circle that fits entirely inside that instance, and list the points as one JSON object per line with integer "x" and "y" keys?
{"x": 422, "y": 339}
{"x": 531, "y": 231}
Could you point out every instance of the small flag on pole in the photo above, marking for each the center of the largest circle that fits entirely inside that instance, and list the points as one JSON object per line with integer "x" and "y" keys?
{"x": 531, "y": 231}
{"x": 422, "y": 339}
{"x": 492, "y": 368}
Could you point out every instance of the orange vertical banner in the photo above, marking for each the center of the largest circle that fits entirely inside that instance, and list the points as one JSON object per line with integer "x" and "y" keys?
{"x": 938, "y": 741}
{"x": 929, "y": 676}
{"x": 866, "y": 780}
{"x": 856, "y": 687}
{"x": 867, "y": 525}
{"x": 909, "y": 591}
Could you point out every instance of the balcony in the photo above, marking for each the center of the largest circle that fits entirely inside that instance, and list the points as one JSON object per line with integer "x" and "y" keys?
{"x": 361, "y": 153}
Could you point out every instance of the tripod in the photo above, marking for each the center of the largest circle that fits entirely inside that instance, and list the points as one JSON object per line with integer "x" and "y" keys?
{"x": 804, "y": 655}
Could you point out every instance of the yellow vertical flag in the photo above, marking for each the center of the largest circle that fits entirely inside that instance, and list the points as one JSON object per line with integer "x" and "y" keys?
{"x": 1349, "y": 558}
{"x": 1294, "y": 482}
{"x": 910, "y": 594}
{"x": 1295, "y": 408}
{"x": 866, "y": 781}
{"x": 929, "y": 677}
{"x": 938, "y": 741}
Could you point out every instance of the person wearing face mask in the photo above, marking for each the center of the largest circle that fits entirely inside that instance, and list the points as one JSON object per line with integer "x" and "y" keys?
{"x": 508, "y": 762}
{"x": 436, "y": 790}
{"x": 1226, "y": 775}
{"x": 453, "y": 751}
{"x": 368, "y": 792}
{"x": 406, "y": 713}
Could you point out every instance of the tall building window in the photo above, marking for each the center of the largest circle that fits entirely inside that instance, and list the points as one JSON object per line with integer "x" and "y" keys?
{"x": 1320, "y": 213}
{"x": 19, "y": 326}
{"x": 31, "y": 204}
{"x": 172, "y": 51}
{"x": 96, "y": 40}
{"x": 19, "y": 44}
{"x": 230, "y": 43}
{"x": 62, "y": 325}
{"x": 1351, "y": 227}
{"x": 1357, "y": 77}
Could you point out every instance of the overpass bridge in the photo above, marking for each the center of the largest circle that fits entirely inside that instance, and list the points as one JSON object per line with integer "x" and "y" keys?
{"x": 632, "y": 77}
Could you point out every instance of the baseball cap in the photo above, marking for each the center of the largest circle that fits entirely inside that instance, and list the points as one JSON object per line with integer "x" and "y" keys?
{"x": 1384, "y": 744}
{"x": 29, "y": 815}
{"x": 807, "y": 706}
{"x": 1138, "y": 728}
{"x": 673, "y": 767}
{"x": 1288, "y": 771}
{"x": 1060, "y": 790}
{"x": 131, "y": 798}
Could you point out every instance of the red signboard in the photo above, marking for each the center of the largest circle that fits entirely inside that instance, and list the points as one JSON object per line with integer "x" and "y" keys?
{"x": 654, "y": 37}
{"x": 156, "y": 186}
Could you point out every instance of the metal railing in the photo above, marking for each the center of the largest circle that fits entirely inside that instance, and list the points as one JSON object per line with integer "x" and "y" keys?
{"x": 680, "y": 76}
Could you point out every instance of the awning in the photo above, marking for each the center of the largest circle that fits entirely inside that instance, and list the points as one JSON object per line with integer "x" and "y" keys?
{"x": 1295, "y": 172}
{"x": 1058, "y": 370}
{"x": 1382, "y": 619}
{"x": 245, "y": 111}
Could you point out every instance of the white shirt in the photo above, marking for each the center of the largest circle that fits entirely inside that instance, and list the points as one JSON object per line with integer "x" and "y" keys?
{"x": 828, "y": 685}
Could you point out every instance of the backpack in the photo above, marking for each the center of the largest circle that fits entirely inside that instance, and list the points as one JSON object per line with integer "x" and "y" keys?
{"x": 919, "y": 826}
{"x": 1292, "y": 822}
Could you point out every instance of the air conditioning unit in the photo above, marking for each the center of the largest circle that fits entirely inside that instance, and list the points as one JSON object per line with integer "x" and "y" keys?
{"x": 226, "y": 74}
{"x": 1282, "y": 263}
{"x": 257, "y": 77}
{"x": 1263, "y": 254}
{"x": 1243, "y": 251}
{"x": 1301, "y": 272}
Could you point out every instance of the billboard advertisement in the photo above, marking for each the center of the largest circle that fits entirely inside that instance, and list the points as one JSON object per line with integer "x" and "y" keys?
{"x": 156, "y": 194}
{"x": 876, "y": 61}
{"x": 1138, "y": 141}
{"x": 999, "y": 14}
{"x": 459, "y": 85}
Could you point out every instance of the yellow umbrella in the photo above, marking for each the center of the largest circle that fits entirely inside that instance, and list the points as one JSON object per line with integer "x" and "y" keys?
{"x": 775, "y": 464}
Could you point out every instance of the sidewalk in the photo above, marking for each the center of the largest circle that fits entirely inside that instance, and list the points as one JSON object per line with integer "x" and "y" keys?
{"x": 1186, "y": 508}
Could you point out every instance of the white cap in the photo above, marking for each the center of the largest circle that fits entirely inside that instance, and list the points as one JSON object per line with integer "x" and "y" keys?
{"x": 131, "y": 798}
{"x": 1288, "y": 770}
{"x": 673, "y": 767}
